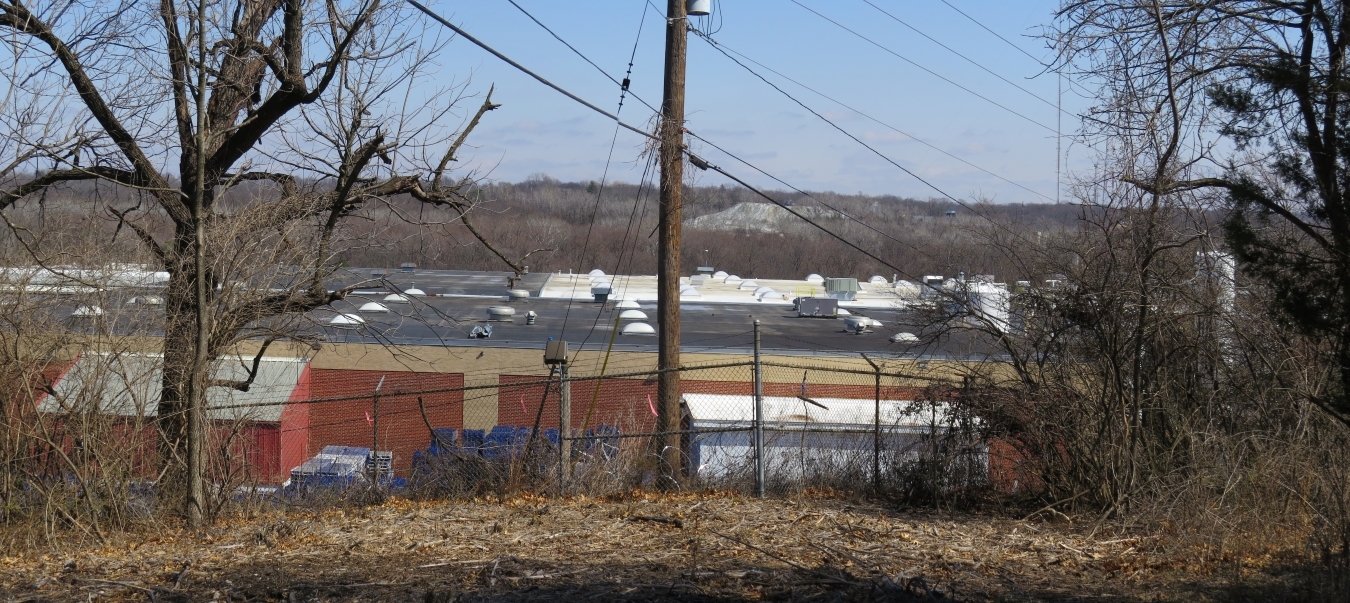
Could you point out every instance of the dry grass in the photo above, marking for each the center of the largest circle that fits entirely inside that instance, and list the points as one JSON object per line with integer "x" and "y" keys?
{"x": 700, "y": 547}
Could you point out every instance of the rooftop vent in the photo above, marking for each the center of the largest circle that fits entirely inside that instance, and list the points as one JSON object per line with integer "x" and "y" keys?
{"x": 638, "y": 328}
{"x": 373, "y": 307}
{"x": 347, "y": 320}
{"x": 904, "y": 338}
{"x": 517, "y": 294}
{"x": 413, "y": 291}
{"x": 500, "y": 313}
{"x": 87, "y": 312}
{"x": 858, "y": 325}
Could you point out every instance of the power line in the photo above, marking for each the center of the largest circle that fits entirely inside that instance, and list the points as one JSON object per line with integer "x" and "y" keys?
{"x": 869, "y": 147}
{"x": 930, "y": 71}
{"x": 525, "y": 70}
{"x": 996, "y": 34}
{"x": 728, "y": 153}
{"x": 697, "y": 161}
{"x": 967, "y": 59}
{"x": 1041, "y": 62}
{"x": 878, "y": 121}
{"x": 810, "y": 196}
{"x": 623, "y": 86}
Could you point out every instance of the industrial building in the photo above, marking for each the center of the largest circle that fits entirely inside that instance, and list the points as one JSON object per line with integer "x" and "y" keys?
{"x": 410, "y": 350}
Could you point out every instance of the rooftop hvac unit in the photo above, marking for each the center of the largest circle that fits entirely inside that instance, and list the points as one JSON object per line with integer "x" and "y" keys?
{"x": 407, "y": 267}
{"x": 817, "y": 307}
{"x": 842, "y": 289}
{"x": 601, "y": 292}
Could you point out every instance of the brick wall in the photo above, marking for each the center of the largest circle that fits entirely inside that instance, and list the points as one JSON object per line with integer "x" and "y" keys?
{"x": 401, "y": 427}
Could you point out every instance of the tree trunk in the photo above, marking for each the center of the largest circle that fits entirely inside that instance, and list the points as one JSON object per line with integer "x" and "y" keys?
{"x": 180, "y": 370}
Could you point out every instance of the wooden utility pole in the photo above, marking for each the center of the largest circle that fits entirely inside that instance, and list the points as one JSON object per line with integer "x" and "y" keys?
{"x": 668, "y": 261}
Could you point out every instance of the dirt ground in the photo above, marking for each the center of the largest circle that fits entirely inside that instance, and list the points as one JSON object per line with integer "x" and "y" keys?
{"x": 644, "y": 547}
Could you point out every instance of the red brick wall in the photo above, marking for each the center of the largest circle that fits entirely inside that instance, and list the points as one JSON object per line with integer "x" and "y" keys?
{"x": 621, "y": 402}
{"x": 294, "y": 433}
{"x": 402, "y": 430}
{"x": 624, "y": 402}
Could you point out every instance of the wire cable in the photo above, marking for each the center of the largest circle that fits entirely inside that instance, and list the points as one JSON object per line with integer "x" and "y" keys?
{"x": 698, "y": 161}
{"x": 622, "y": 85}
{"x": 930, "y": 71}
{"x": 878, "y": 121}
{"x": 967, "y": 59}
{"x": 869, "y": 147}
{"x": 996, "y": 34}
{"x": 525, "y": 70}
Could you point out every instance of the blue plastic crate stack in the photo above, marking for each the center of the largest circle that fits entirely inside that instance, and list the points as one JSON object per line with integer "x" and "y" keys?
{"x": 504, "y": 443}
{"x": 342, "y": 467}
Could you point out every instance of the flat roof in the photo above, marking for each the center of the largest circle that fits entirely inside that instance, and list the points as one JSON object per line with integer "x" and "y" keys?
{"x": 457, "y": 301}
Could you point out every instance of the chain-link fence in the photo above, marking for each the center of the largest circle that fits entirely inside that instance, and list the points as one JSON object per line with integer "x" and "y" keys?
{"x": 591, "y": 428}
{"x": 812, "y": 426}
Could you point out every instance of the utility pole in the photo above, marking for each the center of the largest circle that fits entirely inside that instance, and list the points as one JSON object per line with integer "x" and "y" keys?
{"x": 668, "y": 260}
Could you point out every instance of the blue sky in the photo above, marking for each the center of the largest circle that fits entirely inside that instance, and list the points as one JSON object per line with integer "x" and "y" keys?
{"x": 538, "y": 131}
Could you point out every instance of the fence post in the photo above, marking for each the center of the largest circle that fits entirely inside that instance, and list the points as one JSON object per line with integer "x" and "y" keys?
{"x": 759, "y": 419}
{"x": 375, "y": 436}
{"x": 876, "y": 439}
{"x": 564, "y": 429}
{"x": 876, "y": 428}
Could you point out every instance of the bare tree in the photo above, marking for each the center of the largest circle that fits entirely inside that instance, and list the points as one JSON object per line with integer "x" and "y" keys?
{"x": 251, "y": 132}
{"x": 1268, "y": 77}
